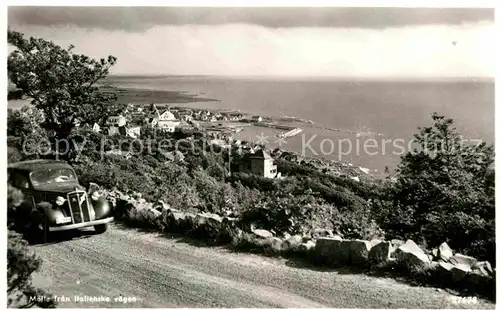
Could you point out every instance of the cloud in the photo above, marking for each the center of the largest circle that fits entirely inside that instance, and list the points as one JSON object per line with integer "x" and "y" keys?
{"x": 241, "y": 49}
{"x": 138, "y": 19}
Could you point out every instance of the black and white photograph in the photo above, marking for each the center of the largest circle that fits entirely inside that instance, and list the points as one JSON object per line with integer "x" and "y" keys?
{"x": 250, "y": 156}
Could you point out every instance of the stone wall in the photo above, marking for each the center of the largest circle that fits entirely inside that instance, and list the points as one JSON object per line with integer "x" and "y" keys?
{"x": 441, "y": 266}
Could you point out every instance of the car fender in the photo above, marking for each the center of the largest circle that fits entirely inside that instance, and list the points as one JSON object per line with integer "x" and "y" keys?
{"x": 46, "y": 210}
{"x": 102, "y": 208}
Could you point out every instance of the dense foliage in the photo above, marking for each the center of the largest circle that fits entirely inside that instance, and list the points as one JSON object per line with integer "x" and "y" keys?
{"x": 444, "y": 191}
{"x": 61, "y": 84}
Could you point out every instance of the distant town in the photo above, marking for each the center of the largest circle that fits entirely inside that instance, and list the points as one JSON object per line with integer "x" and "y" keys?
{"x": 218, "y": 126}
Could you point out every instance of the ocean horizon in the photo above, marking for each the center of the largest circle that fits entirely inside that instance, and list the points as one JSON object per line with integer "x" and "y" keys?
{"x": 358, "y": 109}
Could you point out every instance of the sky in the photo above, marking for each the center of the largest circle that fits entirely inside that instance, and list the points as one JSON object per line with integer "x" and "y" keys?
{"x": 316, "y": 42}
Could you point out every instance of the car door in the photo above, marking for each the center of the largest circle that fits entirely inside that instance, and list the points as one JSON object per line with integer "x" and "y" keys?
{"x": 20, "y": 181}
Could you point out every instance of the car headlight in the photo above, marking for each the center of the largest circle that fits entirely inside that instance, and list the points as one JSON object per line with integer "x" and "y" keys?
{"x": 95, "y": 196}
{"x": 60, "y": 201}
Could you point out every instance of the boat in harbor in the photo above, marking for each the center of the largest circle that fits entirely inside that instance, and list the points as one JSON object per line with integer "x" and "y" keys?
{"x": 290, "y": 133}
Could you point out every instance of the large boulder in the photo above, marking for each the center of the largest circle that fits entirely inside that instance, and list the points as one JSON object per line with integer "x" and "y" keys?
{"x": 327, "y": 249}
{"x": 190, "y": 220}
{"x": 444, "y": 252}
{"x": 380, "y": 252}
{"x": 275, "y": 244}
{"x": 262, "y": 233}
{"x": 228, "y": 226}
{"x": 214, "y": 219}
{"x": 307, "y": 247}
{"x": 395, "y": 244}
{"x": 459, "y": 271}
{"x": 483, "y": 268}
{"x": 412, "y": 255}
{"x": 161, "y": 205}
{"x": 176, "y": 221}
{"x": 154, "y": 213}
{"x": 292, "y": 243}
{"x": 463, "y": 260}
{"x": 359, "y": 252}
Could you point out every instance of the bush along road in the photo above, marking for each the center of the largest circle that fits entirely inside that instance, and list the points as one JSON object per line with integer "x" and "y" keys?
{"x": 159, "y": 263}
{"x": 133, "y": 268}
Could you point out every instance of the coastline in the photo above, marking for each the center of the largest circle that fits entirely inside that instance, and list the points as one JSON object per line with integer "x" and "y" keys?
{"x": 272, "y": 127}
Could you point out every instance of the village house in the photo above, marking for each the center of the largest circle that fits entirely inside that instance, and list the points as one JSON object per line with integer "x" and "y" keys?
{"x": 167, "y": 122}
{"x": 259, "y": 163}
{"x": 235, "y": 116}
{"x": 257, "y": 118}
{"x": 151, "y": 121}
{"x": 133, "y": 130}
{"x": 187, "y": 118}
{"x": 117, "y": 152}
{"x": 116, "y": 121}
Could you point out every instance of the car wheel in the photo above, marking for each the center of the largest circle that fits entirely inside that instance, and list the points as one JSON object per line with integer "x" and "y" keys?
{"x": 37, "y": 232}
{"x": 101, "y": 228}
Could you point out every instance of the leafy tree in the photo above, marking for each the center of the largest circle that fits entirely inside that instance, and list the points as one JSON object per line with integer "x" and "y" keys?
{"x": 61, "y": 83}
{"x": 25, "y": 135}
{"x": 444, "y": 192}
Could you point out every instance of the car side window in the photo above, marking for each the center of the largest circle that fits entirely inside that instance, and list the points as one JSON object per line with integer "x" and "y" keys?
{"x": 19, "y": 180}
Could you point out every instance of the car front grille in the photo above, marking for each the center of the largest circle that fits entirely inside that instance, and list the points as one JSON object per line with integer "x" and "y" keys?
{"x": 78, "y": 205}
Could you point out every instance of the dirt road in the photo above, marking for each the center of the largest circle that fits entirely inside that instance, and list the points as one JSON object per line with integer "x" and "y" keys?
{"x": 151, "y": 270}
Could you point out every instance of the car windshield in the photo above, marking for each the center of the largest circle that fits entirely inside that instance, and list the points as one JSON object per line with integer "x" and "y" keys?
{"x": 52, "y": 175}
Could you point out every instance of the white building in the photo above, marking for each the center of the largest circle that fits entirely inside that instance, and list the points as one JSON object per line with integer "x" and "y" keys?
{"x": 167, "y": 122}
{"x": 116, "y": 121}
{"x": 134, "y": 131}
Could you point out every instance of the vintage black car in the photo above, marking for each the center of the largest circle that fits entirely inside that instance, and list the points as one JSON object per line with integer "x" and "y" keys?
{"x": 53, "y": 200}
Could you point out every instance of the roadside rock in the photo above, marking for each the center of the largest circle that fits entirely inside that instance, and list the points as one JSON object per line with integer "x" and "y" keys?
{"x": 396, "y": 243}
{"x": 190, "y": 220}
{"x": 275, "y": 243}
{"x": 292, "y": 243}
{"x": 155, "y": 213}
{"x": 380, "y": 253}
{"x": 444, "y": 252}
{"x": 359, "y": 251}
{"x": 229, "y": 222}
{"x": 307, "y": 247}
{"x": 411, "y": 255}
{"x": 479, "y": 279}
{"x": 459, "y": 271}
{"x": 262, "y": 233}
{"x": 483, "y": 268}
{"x": 327, "y": 248}
{"x": 176, "y": 221}
{"x": 463, "y": 259}
{"x": 160, "y": 205}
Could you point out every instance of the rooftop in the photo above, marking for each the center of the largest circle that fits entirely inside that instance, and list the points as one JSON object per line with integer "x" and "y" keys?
{"x": 260, "y": 154}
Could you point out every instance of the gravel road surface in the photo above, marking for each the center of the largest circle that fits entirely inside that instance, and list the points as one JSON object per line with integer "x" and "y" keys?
{"x": 143, "y": 269}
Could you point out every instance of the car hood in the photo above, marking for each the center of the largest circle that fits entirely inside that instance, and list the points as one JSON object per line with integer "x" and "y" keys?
{"x": 60, "y": 187}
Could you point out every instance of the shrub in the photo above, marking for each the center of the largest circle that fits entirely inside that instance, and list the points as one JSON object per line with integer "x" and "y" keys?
{"x": 21, "y": 263}
{"x": 443, "y": 192}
